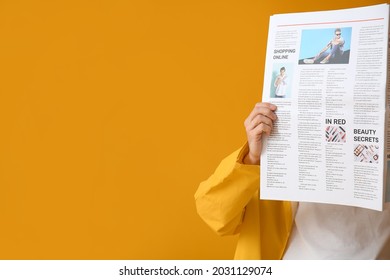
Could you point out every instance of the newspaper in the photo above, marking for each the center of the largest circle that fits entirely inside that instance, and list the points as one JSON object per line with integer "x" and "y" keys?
{"x": 327, "y": 74}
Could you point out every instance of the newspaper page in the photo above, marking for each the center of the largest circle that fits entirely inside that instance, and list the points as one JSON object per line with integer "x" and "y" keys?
{"x": 327, "y": 74}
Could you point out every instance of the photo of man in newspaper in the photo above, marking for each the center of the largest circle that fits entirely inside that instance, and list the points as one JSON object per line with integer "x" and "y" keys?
{"x": 280, "y": 85}
{"x": 316, "y": 48}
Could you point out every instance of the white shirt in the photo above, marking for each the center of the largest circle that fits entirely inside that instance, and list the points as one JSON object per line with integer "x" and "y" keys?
{"x": 326, "y": 231}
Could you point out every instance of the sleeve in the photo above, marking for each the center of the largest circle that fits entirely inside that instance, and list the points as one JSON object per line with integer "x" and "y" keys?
{"x": 222, "y": 198}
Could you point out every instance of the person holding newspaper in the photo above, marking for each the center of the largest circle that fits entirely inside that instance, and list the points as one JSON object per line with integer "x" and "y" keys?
{"x": 228, "y": 201}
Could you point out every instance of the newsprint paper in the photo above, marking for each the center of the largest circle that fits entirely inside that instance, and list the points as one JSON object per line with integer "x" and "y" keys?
{"x": 327, "y": 74}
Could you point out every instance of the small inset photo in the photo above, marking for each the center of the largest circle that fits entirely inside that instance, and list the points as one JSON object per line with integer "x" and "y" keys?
{"x": 281, "y": 80}
{"x": 335, "y": 134}
{"x": 366, "y": 153}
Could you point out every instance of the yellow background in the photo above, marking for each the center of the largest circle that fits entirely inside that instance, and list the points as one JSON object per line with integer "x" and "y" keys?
{"x": 113, "y": 111}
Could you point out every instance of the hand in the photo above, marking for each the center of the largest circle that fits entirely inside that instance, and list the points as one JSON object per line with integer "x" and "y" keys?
{"x": 259, "y": 121}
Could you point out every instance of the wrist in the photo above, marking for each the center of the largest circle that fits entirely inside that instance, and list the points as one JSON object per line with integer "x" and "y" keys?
{"x": 251, "y": 159}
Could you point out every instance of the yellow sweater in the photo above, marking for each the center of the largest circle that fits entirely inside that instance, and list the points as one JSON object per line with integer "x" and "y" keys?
{"x": 228, "y": 201}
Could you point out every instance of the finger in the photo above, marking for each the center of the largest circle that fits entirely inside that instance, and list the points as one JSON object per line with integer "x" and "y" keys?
{"x": 266, "y": 109}
{"x": 262, "y": 128}
{"x": 257, "y": 120}
{"x": 266, "y": 104}
{"x": 257, "y": 132}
